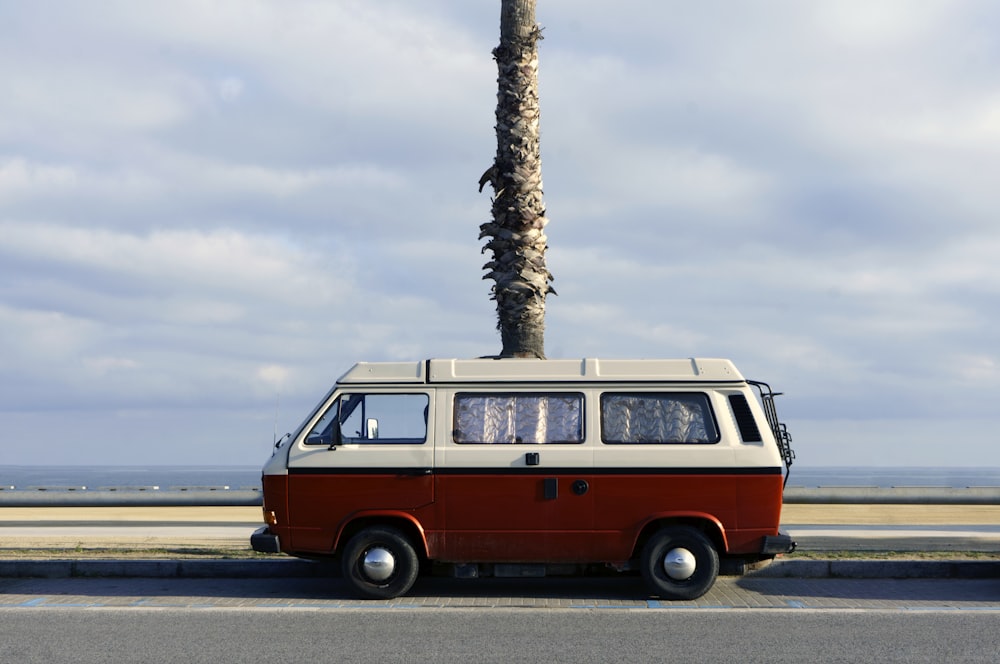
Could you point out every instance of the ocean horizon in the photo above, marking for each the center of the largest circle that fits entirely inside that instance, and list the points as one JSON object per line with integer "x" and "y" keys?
{"x": 166, "y": 477}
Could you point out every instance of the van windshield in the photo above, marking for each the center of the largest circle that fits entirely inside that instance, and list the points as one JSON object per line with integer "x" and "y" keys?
{"x": 312, "y": 413}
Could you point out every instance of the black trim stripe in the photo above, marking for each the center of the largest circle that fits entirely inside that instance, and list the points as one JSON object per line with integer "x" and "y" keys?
{"x": 409, "y": 470}
{"x": 534, "y": 470}
{"x": 533, "y": 383}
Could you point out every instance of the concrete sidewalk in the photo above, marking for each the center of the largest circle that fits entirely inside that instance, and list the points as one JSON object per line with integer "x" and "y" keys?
{"x": 292, "y": 568}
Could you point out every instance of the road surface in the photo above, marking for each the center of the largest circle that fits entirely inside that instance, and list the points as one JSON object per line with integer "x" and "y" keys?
{"x": 578, "y": 620}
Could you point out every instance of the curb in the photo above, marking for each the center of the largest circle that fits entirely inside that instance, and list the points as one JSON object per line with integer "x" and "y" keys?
{"x": 292, "y": 568}
{"x": 879, "y": 569}
{"x": 169, "y": 569}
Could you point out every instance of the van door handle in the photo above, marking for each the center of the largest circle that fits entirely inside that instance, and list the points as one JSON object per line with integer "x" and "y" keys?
{"x": 416, "y": 471}
{"x": 532, "y": 459}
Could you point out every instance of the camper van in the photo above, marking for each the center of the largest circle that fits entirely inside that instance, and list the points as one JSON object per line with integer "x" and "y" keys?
{"x": 522, "y": 467}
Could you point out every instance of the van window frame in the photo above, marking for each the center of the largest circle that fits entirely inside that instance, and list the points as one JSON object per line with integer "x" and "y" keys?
{"x": 340, "y": 418}
{"x": 578, "y": 397}
{"x": 704, "y": 397}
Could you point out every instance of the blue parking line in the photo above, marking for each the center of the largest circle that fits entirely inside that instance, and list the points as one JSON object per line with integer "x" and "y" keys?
{"x": 656, "y": 604}
{"x": 951, "y": 608}
{"x": 77, "y": 606}
{"x": 337, "y": 607}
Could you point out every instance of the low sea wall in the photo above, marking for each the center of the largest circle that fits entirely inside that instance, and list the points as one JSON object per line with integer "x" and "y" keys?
{"x": 898, "y": 495}
{"x": 242, "y": 497}
{"x": 129, "y": 497}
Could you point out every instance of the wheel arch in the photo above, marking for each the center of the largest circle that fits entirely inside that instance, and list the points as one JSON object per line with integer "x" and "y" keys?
{"x": 706, "y": 523}
{"x": 404, "y": 523}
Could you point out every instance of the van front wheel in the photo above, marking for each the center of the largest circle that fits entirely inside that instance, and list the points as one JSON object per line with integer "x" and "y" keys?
{"x": 380, "y": 563}
{"x": 679, "y": 562}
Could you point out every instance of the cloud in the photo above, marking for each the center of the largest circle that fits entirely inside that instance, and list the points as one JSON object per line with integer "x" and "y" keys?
{"x": 226, "y": 259}
{"x": 230, "y": 88}
{"x": 18, "y": 176}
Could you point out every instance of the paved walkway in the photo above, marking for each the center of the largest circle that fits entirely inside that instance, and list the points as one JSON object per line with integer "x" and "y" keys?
{"x": 815, "y": 527}
{"x": 587, "y": 594}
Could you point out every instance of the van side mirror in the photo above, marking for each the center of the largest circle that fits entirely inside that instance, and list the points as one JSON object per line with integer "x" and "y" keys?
{"x": 371, "y": 428}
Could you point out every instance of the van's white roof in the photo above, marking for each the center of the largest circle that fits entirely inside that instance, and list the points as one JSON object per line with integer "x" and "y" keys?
{"x": 512, "y": 370}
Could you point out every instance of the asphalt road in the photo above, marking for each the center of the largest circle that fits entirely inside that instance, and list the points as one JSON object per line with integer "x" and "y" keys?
{"x": 495, "y": 635}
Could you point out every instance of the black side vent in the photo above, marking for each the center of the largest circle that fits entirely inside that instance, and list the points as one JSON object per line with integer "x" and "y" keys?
{"x": 744, "y": 419}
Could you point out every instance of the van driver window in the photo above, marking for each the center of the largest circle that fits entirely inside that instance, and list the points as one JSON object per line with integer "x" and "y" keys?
{"x": 518, "y": 418}
{"x": 372, "y": 418}
{"x": 652, "y": 418}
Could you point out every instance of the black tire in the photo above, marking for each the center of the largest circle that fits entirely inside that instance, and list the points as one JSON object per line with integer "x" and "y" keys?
{"x": 706, "y": 563}
{"x": 406, "y": 564}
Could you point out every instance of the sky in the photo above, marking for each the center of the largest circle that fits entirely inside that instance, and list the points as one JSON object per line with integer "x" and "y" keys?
{"x": 211, "y": 210}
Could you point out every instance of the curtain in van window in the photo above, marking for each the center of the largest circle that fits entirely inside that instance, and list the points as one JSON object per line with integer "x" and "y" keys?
{"x": 518, "y": 418}
{"x": 657, "y": 418}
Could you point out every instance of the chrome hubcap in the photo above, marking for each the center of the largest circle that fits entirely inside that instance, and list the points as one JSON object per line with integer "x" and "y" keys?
{"x": 679, "y": 564}
{"x": 378, "y": 563}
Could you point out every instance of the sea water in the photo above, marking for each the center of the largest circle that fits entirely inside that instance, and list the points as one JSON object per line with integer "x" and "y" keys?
{"x": 139, "y": 477}
{"x": 248, "y": 477}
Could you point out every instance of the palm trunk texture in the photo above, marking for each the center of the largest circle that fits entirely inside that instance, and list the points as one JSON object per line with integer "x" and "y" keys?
{"x": 516, "y": 233}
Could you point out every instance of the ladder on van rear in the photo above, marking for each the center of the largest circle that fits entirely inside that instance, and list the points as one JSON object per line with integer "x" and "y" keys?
{"x": 780, "y": 431}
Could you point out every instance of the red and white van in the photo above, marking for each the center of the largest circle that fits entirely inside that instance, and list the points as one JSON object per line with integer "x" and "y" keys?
{"x": 511, "y": 467}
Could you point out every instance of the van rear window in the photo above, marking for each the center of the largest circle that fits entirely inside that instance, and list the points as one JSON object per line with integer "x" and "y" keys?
{"x": 657, "y": 418}
{"x": 749, "y": 432}
{"x": 518, "y": 418}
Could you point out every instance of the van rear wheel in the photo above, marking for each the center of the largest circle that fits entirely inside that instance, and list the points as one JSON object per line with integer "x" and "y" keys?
{"x": 380, "y": 563}
{"x": 679, "y": 562}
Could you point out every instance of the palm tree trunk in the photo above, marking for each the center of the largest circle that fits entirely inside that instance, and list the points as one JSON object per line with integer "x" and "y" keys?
{"x": 517, "y": 237}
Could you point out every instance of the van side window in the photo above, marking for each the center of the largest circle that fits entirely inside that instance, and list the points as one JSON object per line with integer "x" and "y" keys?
{"x": 518, "y": 418}
{"x": 372, "y": 418}
{"x": 657, "y": 418}
{"x": 749, "y": 432}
